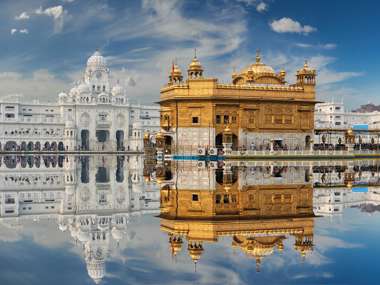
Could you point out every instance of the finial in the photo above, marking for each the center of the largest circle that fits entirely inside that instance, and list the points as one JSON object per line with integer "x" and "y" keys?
{"x": 258, "y": 57}
{"x": 195, "y": 266}
{"x": 195, "y": 52}
{"x": 305, "y": 64}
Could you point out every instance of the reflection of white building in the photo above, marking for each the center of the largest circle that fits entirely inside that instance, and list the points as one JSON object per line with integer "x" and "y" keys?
{"x": 94, "y": 201}
{"x": 332, "y": 201}
{"x": 94, "y": 115}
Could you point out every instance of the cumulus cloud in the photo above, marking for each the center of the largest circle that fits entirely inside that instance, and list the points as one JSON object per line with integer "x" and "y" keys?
{"x": 288, "y": 25}
{"x": 261, "y": 7}
{"x": 24, "y": 31}
{"x": 22, "y": 16}
{"x": 13, "y": 31}
{"x": 57, "y": 13}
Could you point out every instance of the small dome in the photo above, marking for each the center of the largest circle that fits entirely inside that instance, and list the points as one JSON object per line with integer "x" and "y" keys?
{"x": 73, "y": 91}
{"x": 83, "y": 88}
{"x": 62, "y": 95}
{"x": 62, "y": 227}
{"x": 117, "y": 90}
{"x": 97, "y": 61}
{"x": 195, "y": 65}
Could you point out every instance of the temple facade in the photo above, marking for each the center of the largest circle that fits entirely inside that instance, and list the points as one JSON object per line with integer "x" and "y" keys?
{"x": 258, "y": 110}
{"x": 95, "y": 114}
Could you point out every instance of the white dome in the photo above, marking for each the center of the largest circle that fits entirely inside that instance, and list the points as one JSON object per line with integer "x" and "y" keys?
{"x": 96, "y": 61}
{"x": 62, "y": 227}
{"x": 62, "y": 95}
{"x": 117, "y": 90}
{"x": 73, "y": 91}
{"x": 96, "y": 270}
{"x": 83, "y": 88}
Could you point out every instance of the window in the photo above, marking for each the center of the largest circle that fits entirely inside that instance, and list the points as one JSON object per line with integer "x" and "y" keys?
{"x": 218, "y": 119}
{"x": 226, "y": 119}
{"x": 233, "y": 119}
{"x": 195, "y": 120}
{"x": 9, "y": 115}
{"x": 195, "y": 197}
{"x": 337, "y": 123}
{"x": 226, "y": 199}
{"x": 217, "y": 199}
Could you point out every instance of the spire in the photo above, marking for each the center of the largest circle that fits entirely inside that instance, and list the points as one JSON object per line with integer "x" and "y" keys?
{"x": 195, "y": 52}
{"x": 305, "y": 64}
{"x": 258, "y": 56}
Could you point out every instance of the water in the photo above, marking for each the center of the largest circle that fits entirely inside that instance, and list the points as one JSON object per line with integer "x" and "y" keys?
{"x": 123, "y": 220}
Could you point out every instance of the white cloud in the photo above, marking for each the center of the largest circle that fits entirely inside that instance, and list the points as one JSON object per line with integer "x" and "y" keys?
{"x": 261, "y": 7}
{"x": 328, "y": 46}
{"x": 41, "y": 84}
{"x": 21, "y": 31}
{"x": 22, "y": 16}
{"x": 287, "y": 25}
{"x": 57, "y": 13}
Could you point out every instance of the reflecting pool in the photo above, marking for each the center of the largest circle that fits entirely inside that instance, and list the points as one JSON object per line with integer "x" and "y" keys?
{"x": 125, "y": 220}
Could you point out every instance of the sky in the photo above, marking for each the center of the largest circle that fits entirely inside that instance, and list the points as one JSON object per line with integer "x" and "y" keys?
{"x": 45, "y": 43}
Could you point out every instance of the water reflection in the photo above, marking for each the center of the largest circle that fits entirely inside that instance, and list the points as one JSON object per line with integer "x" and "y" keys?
{"x": 260, "y": 209}
{"x": 257, "y": 207}
{"x": 88, "y": 197}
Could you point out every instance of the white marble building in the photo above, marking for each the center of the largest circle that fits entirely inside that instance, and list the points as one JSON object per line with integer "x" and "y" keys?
{"x": 93, "y": 115}
{"x": 333, "y": 115}
{"x": 91, "y": 198}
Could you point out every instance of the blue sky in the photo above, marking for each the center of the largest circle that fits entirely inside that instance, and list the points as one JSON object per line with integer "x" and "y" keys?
{"x": 45, "y": 44}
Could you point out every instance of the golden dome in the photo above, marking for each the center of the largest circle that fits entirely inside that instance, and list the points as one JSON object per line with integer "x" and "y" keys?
{"x": 306, "y": 69}
{"x": 195, "y": 250}
{"x": 175, "y": 244}
{"x": 260, "y": 68}
{"x": 195, "y": 65}
{"x": 146, "y": 136}
{"x": 159, "y": 135}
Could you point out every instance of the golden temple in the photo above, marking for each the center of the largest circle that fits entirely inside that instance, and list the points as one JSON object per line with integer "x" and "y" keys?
{"x": 258, "y": 109}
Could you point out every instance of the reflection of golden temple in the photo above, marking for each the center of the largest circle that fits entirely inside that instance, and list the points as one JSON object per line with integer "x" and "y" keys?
{"x": 258, "y": 218}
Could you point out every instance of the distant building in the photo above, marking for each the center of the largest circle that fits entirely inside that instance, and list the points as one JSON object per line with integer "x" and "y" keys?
{"x": 339, "y": 128}
{"x": 257, "y": 110}
{"x": 93, "y": 115}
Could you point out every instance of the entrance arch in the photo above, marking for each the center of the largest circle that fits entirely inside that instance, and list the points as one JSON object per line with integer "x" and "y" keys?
{"x": 307, "y": 142}
{"x": 168, "y": 145}
{"x": 219, "y": 141}
{"x": 85, "y": 139}
{"x": 119, "y": 140}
